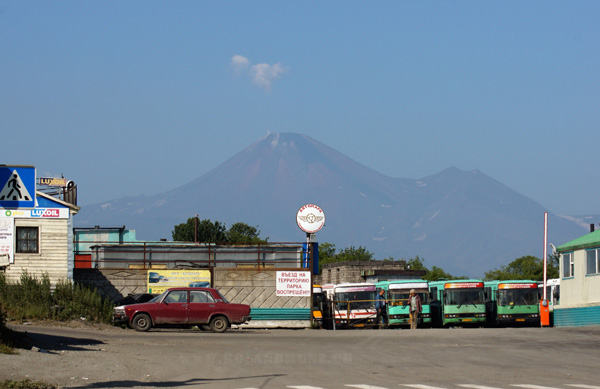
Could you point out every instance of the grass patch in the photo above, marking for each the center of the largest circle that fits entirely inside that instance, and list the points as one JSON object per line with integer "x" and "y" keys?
{"x": 25, "y": 384}
{"x": 33, "y": 299}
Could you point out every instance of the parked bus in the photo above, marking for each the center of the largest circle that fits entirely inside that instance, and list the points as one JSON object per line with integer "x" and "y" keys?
{"x": 512, "y": 302}
{"x": 397, "y": 293}
{"x": 318, "y": 299}
{"x": 351, "y": 305}
{"x": 457, "y": 303}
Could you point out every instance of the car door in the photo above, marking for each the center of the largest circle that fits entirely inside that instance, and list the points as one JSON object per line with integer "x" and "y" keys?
{"x": 202, "y": 304}
{"x": 173, "y": 308}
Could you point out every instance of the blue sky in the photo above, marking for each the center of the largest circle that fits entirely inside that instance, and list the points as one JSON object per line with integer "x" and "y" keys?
{"x": 138, "y": 97}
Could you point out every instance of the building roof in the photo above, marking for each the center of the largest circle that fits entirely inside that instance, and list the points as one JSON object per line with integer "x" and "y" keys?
{"x": 44, "y": 199}
{"x": 587, "y": 241}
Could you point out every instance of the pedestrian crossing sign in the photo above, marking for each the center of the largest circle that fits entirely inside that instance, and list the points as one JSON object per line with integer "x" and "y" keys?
{"x": 17, "y": 186}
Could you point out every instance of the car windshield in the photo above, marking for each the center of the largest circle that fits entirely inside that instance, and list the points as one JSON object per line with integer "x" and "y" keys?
{"x": 461, "y": 297}
{"x": 507, "y": 297}
{"x": 158, "y": 298}
{"x": 400, "y": 297}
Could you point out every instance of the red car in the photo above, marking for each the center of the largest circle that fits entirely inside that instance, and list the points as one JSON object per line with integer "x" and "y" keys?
{"x": 205, "y": 307}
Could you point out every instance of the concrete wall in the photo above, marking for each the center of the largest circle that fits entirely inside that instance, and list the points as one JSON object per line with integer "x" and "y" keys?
{"x": 114, "y": 284}
{"x": 365, "y": 271}
{"x": 253, "y": 286}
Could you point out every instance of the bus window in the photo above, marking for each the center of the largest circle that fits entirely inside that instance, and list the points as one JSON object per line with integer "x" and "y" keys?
{"x": 488, "y": 293}
{"x": 318, "y": 300}
{"x": 358, "y": 300}
{"x": 463, "y": 296}
{"x": 507, "y": 297}
{"x": 400, "y": 297}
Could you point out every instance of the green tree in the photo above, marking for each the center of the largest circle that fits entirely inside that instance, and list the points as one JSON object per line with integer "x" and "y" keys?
{"x": 244, "y": 234}
{"x": 435, "y": 274}
{"x": 354, "y": 254}
{"x": 553, "y": 267}
{"x": 184, "y": 232}
{"x": 416, "y": 263}
{"x": 525, "y": 268}
{"x": 327, "y": 254}
{"x": 205, "y": 231}
{"x": 216, "y": 232}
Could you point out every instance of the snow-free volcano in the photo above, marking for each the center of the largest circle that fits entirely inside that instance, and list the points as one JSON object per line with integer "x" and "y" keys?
{"x": 462, "y": 221}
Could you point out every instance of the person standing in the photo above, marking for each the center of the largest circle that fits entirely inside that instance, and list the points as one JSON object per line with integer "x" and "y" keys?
{"x": 381, "y": 307}
{"x": 414, "y": 308}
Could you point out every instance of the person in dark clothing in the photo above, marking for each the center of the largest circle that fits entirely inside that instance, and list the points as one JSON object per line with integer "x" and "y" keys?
{"x": 381, "y": 307}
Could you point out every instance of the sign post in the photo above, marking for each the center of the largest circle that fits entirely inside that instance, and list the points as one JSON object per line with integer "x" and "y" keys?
{"x": 544, "y": 306}
{"x": 310, "y": 218}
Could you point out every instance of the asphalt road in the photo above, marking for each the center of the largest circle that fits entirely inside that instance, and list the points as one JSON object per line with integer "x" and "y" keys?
{"x": 111, "y": 357}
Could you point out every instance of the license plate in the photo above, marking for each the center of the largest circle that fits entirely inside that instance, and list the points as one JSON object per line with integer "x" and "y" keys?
{"x": 467, "y": 319}
{"x": 520, "y": 319}
{"x": 359, "y": 325}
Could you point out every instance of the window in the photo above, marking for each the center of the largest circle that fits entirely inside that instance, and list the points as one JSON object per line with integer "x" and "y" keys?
{"x": 568, "y": 266}
{"x": 593, "y": 259}
{"x": 463, "y": 296}
{"x": 200, "y": 296}
{"x": 487, "y": 291}
{"x": 27, "y": 240}
{"x": 176, "y": 296}
{"x": 512, "y": 297}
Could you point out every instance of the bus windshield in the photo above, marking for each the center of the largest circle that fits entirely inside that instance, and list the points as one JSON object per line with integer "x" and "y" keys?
{"x": 400, "y": 297}
{"x": 318, "y": 299}
{"x": 508, "y": 297}
{"x": 463, "y": 296}
{"x": 357, "y": 300}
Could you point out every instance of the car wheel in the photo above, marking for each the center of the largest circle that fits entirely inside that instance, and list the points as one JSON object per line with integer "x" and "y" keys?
{"x": 219, "y": 324}
{"x": 142, "y": 322}
{"x": 204, "y": 327}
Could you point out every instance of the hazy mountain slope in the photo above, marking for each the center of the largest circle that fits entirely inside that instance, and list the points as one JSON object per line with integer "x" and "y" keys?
{"x": 463, "y": 221}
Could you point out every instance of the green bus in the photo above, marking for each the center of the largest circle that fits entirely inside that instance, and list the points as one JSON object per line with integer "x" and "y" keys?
{"x": 397, "y": 293}
{"x": 457, "y": 303}
{"x": 512, "y": 303}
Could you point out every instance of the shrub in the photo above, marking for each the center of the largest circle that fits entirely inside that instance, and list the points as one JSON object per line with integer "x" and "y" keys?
{"x": 31, "y": 298}
{"x": 25, "y": 384}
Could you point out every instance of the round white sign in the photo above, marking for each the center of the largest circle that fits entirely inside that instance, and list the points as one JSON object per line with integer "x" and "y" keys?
{"x": 310, "y": 218}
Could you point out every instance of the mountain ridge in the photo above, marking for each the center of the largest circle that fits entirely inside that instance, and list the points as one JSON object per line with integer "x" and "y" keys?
{"x": 463, "y": 221}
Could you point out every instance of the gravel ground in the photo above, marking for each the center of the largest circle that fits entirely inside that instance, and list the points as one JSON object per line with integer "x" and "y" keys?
{"x": 77, "y": 355}
{"x": 69, "y": 354}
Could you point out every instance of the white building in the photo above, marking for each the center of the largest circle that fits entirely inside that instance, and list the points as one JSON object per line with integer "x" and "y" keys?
{"x": 39, "y": 240}
{"x": 579, "y": 282}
